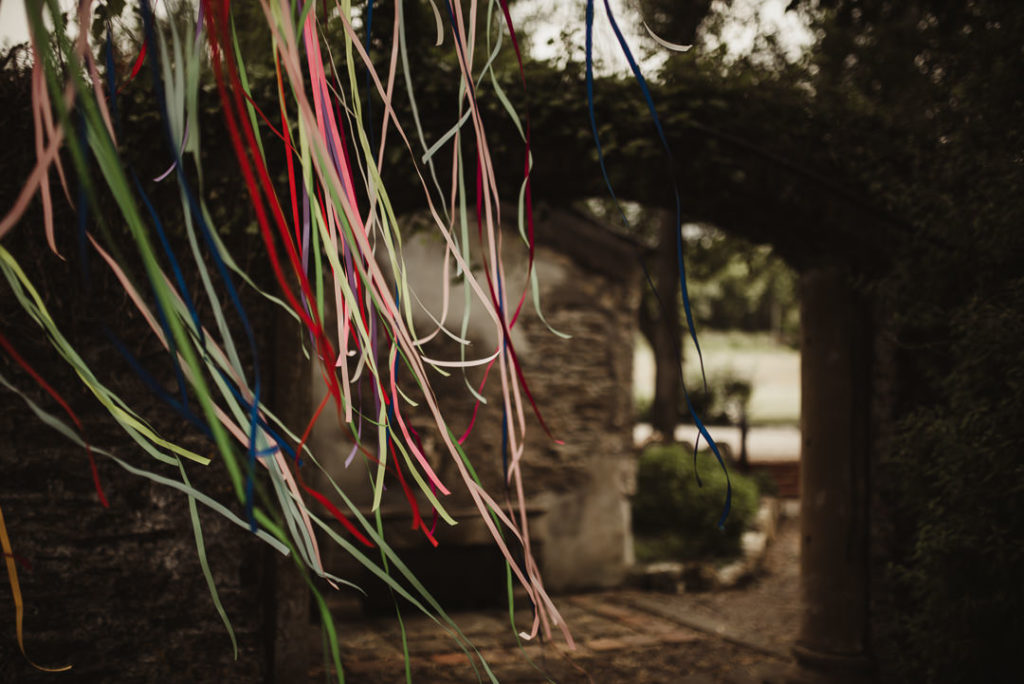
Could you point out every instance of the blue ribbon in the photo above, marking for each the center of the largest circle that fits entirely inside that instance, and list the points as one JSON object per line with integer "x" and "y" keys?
{"x": 180, "y": 407}
{"x": 702, "y": 430}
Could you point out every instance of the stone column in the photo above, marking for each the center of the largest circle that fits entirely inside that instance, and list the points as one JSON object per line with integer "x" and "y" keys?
{"x": 833, "y": 640}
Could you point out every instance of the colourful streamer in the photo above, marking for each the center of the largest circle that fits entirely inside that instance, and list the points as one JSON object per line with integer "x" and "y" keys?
{"x": 335, "y": 247}
{"x": 19, "y": 604}
{"x": 649, "y": 101}
{"x": 13, "y": 353}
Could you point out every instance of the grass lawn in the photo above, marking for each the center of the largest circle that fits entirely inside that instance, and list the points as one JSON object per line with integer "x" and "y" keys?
{"x": 773, "y": 369}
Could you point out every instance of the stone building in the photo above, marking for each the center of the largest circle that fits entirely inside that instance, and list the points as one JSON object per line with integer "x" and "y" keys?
{"x": 577, "y": 490}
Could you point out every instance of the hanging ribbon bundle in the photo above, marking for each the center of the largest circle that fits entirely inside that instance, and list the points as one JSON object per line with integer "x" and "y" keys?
{"x": 328, "y": 229}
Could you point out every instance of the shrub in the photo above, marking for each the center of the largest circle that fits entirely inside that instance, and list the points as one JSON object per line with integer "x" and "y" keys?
{"x": 674, "y": 517}
{"x": 955, "y": 487}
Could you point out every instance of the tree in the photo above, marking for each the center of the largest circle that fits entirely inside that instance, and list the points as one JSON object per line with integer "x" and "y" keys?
{"x": 946, "y": 76}
{"x": 660, "y": 322}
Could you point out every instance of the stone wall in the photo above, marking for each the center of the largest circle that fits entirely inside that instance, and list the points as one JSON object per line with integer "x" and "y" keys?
{"x": 584, "y": 386}
{"x": 117, "y": 593}
{"x": 577, "y": 491}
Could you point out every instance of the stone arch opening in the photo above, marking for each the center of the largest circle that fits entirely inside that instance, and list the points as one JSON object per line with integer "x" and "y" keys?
{"x": 821, "y": 238}
{"x": 840, "y": 410}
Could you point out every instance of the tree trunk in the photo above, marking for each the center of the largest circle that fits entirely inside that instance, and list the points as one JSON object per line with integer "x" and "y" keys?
{"x": 661, "y": 325}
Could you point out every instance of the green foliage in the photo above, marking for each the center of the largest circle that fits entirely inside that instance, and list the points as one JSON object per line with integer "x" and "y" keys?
{"x": 958, "y": 473}
{"x": 680, "y": 517}
{"x": 103, "y": 14}
{"x": 933, "y": 96}
{"x": 726, "y": 399}
{"x": 735, "y": 285}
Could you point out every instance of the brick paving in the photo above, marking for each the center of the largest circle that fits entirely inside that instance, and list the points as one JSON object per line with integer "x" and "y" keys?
{"x": 622, "y": 635}
{"x": 618, "y": 638}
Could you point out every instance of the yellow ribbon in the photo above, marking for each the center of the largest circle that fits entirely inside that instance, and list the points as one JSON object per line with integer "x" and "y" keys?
{"x": 19, "y": 606}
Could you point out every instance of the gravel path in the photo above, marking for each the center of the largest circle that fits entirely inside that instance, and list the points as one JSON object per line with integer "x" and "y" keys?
{"x": 766, "y": 611}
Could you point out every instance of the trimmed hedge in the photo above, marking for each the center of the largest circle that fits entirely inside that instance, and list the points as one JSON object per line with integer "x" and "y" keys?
{"x": 675, "y": 517}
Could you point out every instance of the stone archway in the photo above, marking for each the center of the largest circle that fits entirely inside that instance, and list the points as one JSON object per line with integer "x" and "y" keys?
{"x": 840, "y": 410}
{"x": 835, "y": 352}
{"x": 818, "y": 230}
{"x": 837, "y": 347}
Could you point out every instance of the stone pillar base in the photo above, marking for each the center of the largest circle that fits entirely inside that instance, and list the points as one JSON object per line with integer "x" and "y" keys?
{"x": 798, "y": 674}
{"x": 815, "y": 667}
{"x": 810, "y": 667}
